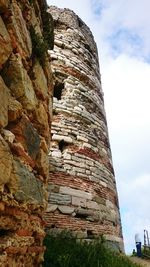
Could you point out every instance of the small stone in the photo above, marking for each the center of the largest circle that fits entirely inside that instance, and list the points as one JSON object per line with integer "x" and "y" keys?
{"x": 66, "y": 209}
{"x": 56, "y": 153}
{"x": 66, "y": 155}
{"x": 99, "y": 200}
{"x": 87, "y": 145}
{"x": 78, "y": 201}
{"x": 8, "y": 136}
{"x": 58, "y": 43}
{"x": 92, "y": 205}
{"x": 51, "y": 208}
{"x": 81, "y": 138}
{"x": 109, "y": 204}
{"x": 103, "y": 183}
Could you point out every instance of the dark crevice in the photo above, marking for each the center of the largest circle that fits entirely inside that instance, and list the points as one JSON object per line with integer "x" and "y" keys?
{"x": 4, "y": 232}
{"x": 81, "y": 216}
{"x": 62, "y": 145}
{"x": 90, "y": 234}
{"x": 58, "y": 90}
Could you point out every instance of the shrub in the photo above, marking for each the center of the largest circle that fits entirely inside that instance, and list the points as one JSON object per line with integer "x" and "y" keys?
{"x": 39, "y": 45}
{"x": 65, "y": 251}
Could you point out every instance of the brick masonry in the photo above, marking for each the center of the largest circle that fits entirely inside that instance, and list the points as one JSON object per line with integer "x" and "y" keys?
{"x": 82, "y": 193}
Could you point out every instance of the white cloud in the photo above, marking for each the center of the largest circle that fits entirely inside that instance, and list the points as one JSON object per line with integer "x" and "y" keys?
{"x": 130, "y": 17}
{"x": 121, "y": 30}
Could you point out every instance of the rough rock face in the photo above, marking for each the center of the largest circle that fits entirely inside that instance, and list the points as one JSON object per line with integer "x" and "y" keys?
{"x": 82, "y": 188}
{"x": 25, "y": 119}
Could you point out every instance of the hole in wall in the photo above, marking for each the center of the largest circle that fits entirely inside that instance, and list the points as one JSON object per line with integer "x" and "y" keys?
{"x": 53, "y": 226}
{"x": 81, "y": 216}
{"x": 58, "y": 88}
{"x": 62, "y": 145}
{"x": 90, "y": 234}
{"x": 4, "y": 232}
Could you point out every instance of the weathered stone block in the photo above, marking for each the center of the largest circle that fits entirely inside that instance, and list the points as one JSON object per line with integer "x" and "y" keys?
{"x": 40, "y": 81}
{"x": 18, "y": 81}
{"x": 109, "y": 204}
{"x": 76, "y": 163}
{"x": 75, "y": 192}
{"x": 53, "y": 188}
{"x": 51, "y": 208}
{"x": 66, "y": 139}
{"x": 14, "y": 109}
{"x": 66, "y": 209}
{"x": 99, "y": 200}
{"x": 84, "y": 212}
{"x": 61, "y": 199}
{"x": 78, "y": 201}
{"x": 66, "y": 155}
{"x": 18, "y": 31}
{"x": 5, "y": 42}
{"x": 81, "y": 138}
{"x": 41, "y": 116}
{"x": 30, "y": 189}
{"x": 27, "y": 135}
{"x": 8, "y": 136}
{"x": 80, "y": 170}
{"x": 42, "y": 163}
{"x": 3, "y": 104}
{"x": 6, "y": 160}
{"x": 92, "y": 205}
{"x": 56, "y": 153}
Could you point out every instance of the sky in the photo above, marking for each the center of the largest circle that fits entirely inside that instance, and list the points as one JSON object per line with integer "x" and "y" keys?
{"x": 121, "y": 29}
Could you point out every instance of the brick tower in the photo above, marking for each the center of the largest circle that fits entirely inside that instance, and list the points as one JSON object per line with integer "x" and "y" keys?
{"x": 82, "y": 187}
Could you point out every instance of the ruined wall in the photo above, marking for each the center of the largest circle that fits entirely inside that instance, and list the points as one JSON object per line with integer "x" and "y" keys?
{"x": 82, "y": 188}
{"x": 25, "y": 116}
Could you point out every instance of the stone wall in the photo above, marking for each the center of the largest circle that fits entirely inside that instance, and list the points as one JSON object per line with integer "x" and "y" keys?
{"x": 82, "y": 188}
{"x": 26, "y": 31}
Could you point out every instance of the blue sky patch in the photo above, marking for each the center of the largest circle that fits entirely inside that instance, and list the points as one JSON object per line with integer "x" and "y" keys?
{"x": 97, "y": 7}
{"x": 125, "y": 41}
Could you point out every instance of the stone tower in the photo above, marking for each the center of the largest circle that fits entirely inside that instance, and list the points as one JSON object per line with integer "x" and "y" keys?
{"x": 82, "y": 187}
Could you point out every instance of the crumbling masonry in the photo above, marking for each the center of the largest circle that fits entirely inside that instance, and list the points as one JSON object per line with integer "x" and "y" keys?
{"x": 82, "y": 188}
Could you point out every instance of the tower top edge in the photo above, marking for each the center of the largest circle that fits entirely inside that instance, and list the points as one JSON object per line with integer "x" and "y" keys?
{"x": 68, "y": 18}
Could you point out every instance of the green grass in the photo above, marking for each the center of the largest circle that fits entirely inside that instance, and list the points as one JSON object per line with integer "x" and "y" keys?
{"x": 65, "y": 251}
